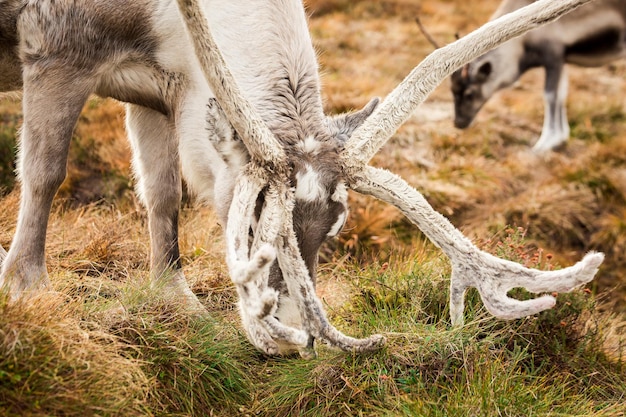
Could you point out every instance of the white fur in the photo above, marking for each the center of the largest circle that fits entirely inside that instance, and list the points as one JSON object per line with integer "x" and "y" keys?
{"x": 336, "y": 228}
{"x": 341, "y": 193}
{"x": 310, "y": 146}
{"x": 308, "y": 186}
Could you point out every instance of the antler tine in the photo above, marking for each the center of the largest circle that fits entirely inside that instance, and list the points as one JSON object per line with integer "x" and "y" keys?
{"x": 494, "y": 277}
{"x": 240, "y": 215}
{"x": 313, "y": 316}
{"x": 423, "y": 79}
{"x": 471, "y": 267}
{"x": 261, "y": 143}
{"x": 426, "y": 34}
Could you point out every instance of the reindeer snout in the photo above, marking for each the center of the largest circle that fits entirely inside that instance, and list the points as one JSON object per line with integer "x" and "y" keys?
{"x": 462, "y": 122}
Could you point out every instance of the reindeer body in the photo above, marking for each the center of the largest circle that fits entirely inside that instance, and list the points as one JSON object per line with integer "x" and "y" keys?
{"x": 593, "y": 35}
{"x": 60, "y": 52}
{"x": 237, "y": 109}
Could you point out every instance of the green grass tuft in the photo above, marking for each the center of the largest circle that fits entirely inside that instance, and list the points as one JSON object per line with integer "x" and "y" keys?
{"x": 197, "y": 366}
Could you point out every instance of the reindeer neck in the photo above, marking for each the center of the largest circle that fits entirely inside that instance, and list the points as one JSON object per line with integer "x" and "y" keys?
{"x": 269, "y": 51}
{"x": 507, "y": 60}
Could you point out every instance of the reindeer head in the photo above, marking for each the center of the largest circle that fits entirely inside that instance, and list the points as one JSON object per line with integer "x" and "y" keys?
{"x": 472, "y": 84}
{"x": 321, "y": 193}
{"x": 477, "y": 81}
{"x": 320, "y": 204}
{"x": 315, "y": 175}
{"x": 283, "y": 185}
{"x": 314, "y": 178}
{"x": 468, "y": 89}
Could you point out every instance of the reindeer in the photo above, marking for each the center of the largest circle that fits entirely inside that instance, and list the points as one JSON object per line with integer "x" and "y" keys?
{"x": 591, "y": 36}
{"x": 276, "y": 168}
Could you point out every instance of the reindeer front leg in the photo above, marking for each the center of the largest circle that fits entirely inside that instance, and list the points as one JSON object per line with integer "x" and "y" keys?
{"x": 555, "y": 130}
{"x": 52, "y": 102}
{"x": 156, "y": 163}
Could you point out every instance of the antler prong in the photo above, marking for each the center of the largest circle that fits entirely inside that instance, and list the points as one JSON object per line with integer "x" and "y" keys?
{"x": 471, "y": 267}
{"x": 314, "y": 318}
{"x": 426, "y": 34}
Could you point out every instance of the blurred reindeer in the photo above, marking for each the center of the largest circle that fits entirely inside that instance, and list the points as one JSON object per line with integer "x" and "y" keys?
{"x": 277, "y": 169}
{"x": 593, "y": 35}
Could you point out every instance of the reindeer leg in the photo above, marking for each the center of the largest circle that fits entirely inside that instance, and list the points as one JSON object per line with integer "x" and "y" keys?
{"x": 52, "y": 103}
{"x": 555, "y": 130}
{"x": 562, "y": 100}
{"x": 493, "y": 277}
{"x": 156, "y": 163}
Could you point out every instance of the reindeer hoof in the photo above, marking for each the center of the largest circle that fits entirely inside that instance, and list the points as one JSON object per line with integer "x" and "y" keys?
{"x": 308, "y": 353}
{"x": 547, "y": 143}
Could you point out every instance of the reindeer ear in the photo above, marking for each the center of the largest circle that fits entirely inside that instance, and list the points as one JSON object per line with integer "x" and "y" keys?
{"x": 344, "y": 125}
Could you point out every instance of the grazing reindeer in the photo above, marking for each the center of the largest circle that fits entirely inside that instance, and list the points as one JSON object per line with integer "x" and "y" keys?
{"x": 593, "y": 35}
{"x": 276, "y": 168}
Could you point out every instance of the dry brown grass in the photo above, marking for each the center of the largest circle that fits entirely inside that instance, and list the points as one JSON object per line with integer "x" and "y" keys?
{"x": 59, "y": 363}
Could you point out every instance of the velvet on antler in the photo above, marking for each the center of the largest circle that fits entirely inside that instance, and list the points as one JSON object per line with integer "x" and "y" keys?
{"x": 471, "y": 267}
{"x": 250, "y": 255}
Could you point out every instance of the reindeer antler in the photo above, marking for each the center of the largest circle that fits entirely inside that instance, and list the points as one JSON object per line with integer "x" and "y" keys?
{"x": 471, "y": 267}
{"x": 493, "y": 277}
{"x": 267, "y": 172}
{"x": 259, "y": 140}
{"x": 426, "y": 34}
{"x": 274, "y": 236}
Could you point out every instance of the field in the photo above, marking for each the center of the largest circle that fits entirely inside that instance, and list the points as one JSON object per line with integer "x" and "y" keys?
{"x": 104, "y": 344}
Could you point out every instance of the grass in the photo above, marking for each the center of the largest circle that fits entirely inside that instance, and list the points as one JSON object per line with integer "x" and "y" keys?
{"x": 53, "y": 363}
{"x": 103, "y": 344}
{"x": 75, "y": 358}
{"x": 134, "y": 353}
